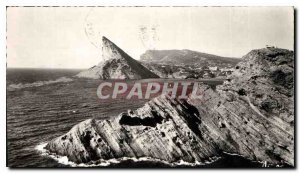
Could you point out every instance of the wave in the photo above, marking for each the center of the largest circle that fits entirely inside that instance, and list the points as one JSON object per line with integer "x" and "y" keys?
{"x": 104, "y": 163}
{"x": 13, "y": 87}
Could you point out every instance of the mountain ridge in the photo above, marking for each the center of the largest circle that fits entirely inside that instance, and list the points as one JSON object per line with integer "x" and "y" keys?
{"x": 184, "y": 56}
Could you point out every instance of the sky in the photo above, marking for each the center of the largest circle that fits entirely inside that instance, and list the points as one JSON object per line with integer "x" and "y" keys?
{"x": 70, "y": 37}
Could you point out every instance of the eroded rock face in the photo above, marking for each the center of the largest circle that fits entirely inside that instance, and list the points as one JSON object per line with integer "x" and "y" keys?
{"x": 251, "y": 114}
{"x": 164, "y": 128}
{"x": 116, "y": 64}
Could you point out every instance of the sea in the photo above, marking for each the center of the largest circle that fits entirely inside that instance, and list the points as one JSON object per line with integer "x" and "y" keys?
{"x": 37, "y": 114}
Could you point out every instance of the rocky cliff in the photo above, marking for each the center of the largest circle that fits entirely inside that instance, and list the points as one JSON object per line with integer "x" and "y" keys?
{"x": 251, "y": 114}
{"x": 164, "y": 129}
{"x": 116, "y": 64}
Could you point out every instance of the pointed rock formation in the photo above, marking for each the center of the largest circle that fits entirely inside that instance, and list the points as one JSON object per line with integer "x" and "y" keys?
{"x": 116, "y": 64}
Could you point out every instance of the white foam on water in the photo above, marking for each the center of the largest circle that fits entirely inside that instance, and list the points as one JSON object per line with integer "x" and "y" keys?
{"x": 257, "y": 161}
{"x": 41, "y": 148}
{"x": 64, "y": 160}
{"x": 13, "y": 87}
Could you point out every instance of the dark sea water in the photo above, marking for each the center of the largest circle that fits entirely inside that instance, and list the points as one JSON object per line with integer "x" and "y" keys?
{"x": 36, "y": 115}
{"x": 30, "y": 75}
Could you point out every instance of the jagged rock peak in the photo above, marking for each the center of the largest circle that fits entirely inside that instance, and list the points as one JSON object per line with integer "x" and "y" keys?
{"x": 111, "y": 50}
{"x": 107, "y": 42}
{"x": 116, "y": 64}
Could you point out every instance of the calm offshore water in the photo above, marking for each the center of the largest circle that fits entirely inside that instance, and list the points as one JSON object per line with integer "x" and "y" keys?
{"x": 30, "y": 75}
{"x": 38, "y": 114}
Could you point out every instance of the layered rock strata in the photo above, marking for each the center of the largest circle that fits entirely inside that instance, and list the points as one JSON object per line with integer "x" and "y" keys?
{"x": 251, "y": 114}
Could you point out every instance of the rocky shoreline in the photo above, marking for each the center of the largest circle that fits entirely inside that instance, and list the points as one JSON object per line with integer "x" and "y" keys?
{"x": 251, "y": 114}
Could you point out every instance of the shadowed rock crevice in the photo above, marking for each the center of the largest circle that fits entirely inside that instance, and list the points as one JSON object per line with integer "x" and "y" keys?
{"x": 282, "y": 78}
{"x": 137, "y": 121}
{"x": 192, "y": 117}
{"x": 85, "y": 139}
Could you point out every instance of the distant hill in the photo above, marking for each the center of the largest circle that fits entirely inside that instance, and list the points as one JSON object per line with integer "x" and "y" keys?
{"x": 187, "y": 57}
{"x": 116, "y": 64}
